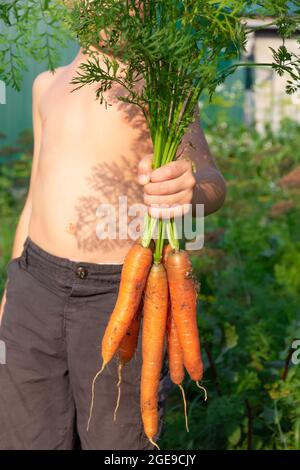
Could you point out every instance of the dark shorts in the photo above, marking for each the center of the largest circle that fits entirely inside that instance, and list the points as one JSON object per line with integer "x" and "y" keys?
{"x": 53, "y": 321}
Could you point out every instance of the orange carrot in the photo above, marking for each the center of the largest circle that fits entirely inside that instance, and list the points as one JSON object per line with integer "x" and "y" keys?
{"x": 133, "y": 279}
{"x": 154, "y": 328}
{"x": 183, "y": 294}
{"x": 175, "y": 355}
{"x": 128, "y": 344}
{"x": 126, "y": 350}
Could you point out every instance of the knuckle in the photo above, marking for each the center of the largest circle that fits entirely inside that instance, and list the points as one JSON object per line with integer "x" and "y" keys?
{"x": 169, "y": 171}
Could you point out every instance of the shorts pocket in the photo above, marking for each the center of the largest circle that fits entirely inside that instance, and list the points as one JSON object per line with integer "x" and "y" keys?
{"x": 11, "y": 263}
{"x": 13, "y": 284}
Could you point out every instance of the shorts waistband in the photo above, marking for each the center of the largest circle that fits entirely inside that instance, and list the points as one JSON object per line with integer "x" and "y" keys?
{"x": 34, "y": 254}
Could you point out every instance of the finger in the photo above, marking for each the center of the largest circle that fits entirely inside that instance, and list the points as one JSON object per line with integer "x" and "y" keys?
{"x": 170, "y": 171}
{"x": 183, "y": 197}
{"x": 145, "y": 169}
{"x": 185, "y": 181}
{"x": 168, "y": 213}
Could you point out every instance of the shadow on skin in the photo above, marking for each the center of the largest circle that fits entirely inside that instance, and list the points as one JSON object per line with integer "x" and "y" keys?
{"x": 110, "y": 180}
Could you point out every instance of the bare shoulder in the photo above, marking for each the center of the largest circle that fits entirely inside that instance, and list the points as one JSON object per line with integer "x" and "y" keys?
{"x": 44, "y": 80}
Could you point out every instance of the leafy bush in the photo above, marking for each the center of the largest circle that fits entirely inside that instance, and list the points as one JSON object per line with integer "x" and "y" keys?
{"x": 34, "y": 29}
{"x": 15, "y": 164}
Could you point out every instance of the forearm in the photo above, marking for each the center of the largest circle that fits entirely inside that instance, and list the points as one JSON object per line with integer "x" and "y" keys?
{"x": 210, "y": 190}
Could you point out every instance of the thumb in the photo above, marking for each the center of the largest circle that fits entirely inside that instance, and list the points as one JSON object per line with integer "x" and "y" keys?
{"x": 145, "y": 170}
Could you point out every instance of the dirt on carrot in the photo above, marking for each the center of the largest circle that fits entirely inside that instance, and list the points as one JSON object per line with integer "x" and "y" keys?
{"x": 175, "y": 353}
{"x": 183, "y": 295}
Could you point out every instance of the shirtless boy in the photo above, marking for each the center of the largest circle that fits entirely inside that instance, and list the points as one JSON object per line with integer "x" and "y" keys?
{"x": 63, "y": 280}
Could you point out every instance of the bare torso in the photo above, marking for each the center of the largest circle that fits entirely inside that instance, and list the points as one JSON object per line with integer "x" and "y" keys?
{"x": 88, "y": 156}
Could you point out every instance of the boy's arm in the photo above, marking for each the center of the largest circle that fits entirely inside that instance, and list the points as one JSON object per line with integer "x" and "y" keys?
{"x": 210, "y": 186}
{"x": 23, "y": 224}
{"x": 192, "y": 179}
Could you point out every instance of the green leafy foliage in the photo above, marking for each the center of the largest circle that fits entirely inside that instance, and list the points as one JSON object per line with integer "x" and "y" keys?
{"x": 34, "y": 28}
{"x": 39, "y": 28}
{"x": 163, "y": 53}
{"x": 190, "y": 41}
{"x": 15, "y": 164}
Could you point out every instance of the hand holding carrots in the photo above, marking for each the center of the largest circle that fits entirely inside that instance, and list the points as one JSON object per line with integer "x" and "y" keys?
{"x": 167, "y": 189}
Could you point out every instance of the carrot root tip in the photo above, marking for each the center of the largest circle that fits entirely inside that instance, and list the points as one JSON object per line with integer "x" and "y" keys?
{"x": 120, "y": 367}
{"x": 93, "y": 395}
{"x": 185, "y": 408}
{"x": 202, "y": 388}
{"x": 154, "y": 443}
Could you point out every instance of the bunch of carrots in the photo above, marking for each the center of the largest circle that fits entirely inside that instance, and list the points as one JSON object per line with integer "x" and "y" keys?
{"x": 167, "y": 294}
